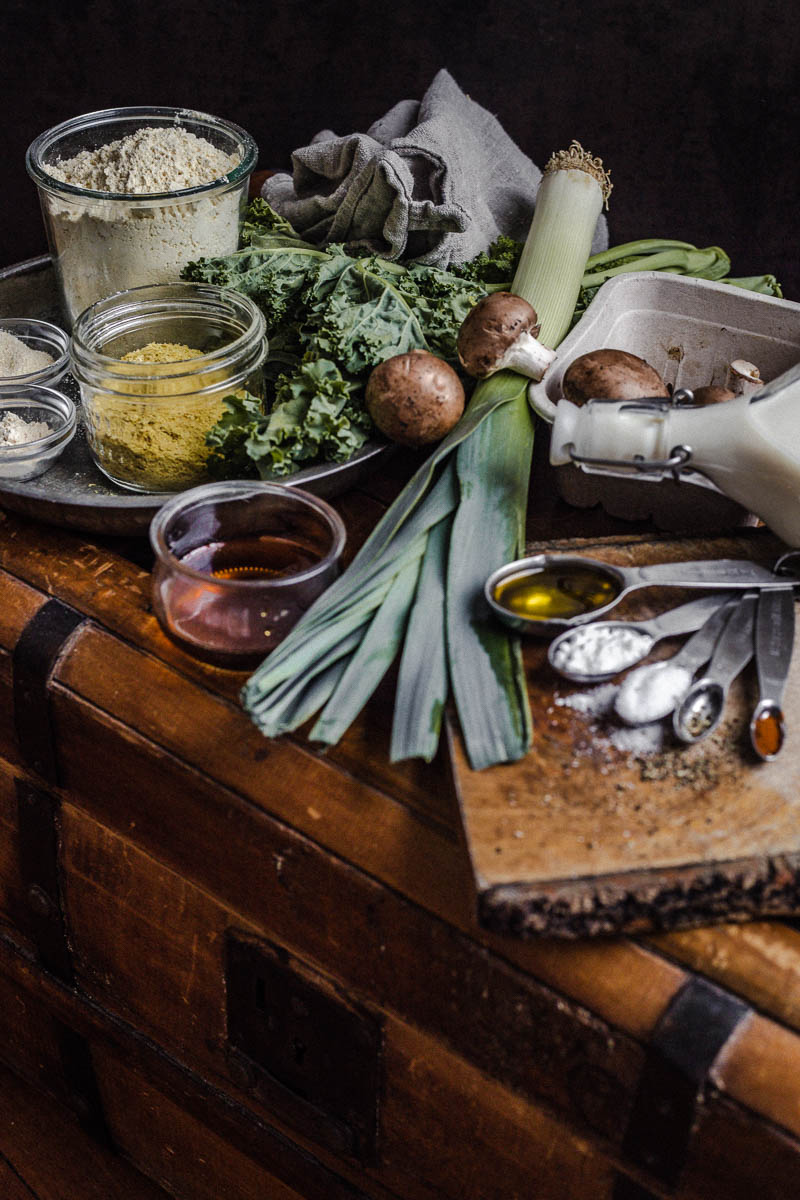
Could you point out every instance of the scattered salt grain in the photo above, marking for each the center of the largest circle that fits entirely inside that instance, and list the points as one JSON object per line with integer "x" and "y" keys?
{"x": 599, "y": 702}
{"x": 643, "y": 739}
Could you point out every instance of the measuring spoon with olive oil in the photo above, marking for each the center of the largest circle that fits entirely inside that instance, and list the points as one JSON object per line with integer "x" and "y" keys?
{"x": 560, "y": 591}
{"x": 546, "y": 593}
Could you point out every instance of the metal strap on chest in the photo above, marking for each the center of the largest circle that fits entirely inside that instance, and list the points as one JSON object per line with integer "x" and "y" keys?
{"x": 35, "y": 654}
{"x": 38, "y": 819}
{"x": 683, "y": 1048}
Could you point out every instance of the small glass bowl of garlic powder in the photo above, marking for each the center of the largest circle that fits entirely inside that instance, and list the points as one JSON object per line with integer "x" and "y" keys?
{"x": 36, "y": 424}
{"x": 32, "y": 351}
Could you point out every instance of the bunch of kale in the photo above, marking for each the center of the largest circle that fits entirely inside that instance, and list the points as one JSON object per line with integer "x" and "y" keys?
{"x": 331, "y": 317}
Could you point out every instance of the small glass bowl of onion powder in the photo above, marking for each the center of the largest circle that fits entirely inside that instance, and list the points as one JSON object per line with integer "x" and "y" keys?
{"x": 36, "y": 424}
{"x": 32, "y": 351}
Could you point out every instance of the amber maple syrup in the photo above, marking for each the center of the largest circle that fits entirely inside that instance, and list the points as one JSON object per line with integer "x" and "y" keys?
{"x": 237, "y": 626}
{"x": 250, "y": 559}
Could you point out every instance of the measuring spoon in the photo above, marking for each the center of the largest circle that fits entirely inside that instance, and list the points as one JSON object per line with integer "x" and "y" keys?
{"x": 651, "y": 692}
{"x": 700, "y": 710}
{"x": 774, "y": 639}
{"x": 617, "y": 645}
{"x": 547, "y": 593}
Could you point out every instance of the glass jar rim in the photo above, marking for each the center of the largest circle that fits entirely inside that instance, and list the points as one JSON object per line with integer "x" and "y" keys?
{"x": 238, "y": 489}
{"x": 167, "y": 299}
{"x": 143, "y": 113}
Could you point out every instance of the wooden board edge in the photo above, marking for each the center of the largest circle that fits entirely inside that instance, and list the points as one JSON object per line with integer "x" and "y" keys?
{"x": 644, "y": 901}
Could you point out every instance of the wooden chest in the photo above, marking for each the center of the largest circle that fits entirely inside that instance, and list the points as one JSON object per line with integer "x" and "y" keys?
{"x": 257, "y": 971}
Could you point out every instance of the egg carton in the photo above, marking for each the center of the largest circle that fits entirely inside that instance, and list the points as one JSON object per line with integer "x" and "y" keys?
{"x": 689, "y": 330}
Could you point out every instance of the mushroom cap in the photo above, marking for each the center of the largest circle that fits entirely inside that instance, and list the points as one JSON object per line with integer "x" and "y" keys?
{"x": 490, "y": 328}
{"x": 608, "y": 374}
{"x": 712, "y": 394}
{"x": 414, "y": 398}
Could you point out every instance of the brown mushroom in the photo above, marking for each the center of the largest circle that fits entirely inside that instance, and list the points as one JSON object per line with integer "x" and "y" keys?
{"x": 414, "y": 398}
{"x": 712, "y": 394}
{"x": 611, "y": 375}
{"x": 499, "y": 333}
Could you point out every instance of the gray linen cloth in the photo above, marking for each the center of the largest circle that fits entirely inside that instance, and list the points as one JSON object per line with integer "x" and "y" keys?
{"x": 435, "y": 181}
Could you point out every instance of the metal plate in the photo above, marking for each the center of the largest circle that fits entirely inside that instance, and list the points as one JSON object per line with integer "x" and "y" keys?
{"x": 74, "y": 493}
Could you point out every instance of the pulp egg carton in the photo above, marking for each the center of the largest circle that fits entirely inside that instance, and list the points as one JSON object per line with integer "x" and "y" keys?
{"x": 689, "y": 330}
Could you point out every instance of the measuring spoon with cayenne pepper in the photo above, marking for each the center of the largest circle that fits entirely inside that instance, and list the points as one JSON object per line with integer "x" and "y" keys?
{"x": 774, "y": 636}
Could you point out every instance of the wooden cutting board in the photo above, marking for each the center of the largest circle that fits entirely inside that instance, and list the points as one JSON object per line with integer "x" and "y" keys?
{"x": 599, "y": 829}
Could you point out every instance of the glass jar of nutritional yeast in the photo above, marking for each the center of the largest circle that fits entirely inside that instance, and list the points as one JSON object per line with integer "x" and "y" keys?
{"x": 154, "y": 365}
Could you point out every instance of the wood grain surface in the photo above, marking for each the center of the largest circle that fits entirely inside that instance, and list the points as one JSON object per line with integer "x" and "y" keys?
{"x": 178, "y": 823}
{"x": 44, "y": 1154}
{"x": 598, "y": 831}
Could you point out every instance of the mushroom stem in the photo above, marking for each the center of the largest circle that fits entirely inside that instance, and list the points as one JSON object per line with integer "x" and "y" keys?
{"x": 526, "y": 355}
{"x": 744, "y": 377}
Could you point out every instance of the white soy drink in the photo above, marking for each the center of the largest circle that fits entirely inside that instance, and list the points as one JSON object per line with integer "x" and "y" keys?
{"x": 749, "y": 447}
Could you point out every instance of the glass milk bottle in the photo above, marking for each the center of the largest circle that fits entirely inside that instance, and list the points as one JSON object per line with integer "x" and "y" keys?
{"x": 748, "y": 447}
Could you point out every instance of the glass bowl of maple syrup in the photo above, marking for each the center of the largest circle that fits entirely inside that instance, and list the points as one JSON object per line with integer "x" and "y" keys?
{"x": 238, "y": 563}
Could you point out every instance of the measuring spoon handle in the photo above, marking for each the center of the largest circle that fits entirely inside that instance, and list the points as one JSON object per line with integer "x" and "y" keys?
{"x": 735, "y": 647}
{"x": 700, "y": 647}
{"x": 720, "y": 572}
{"x": 686, "y": 617}
{"x": 773, "y": 641}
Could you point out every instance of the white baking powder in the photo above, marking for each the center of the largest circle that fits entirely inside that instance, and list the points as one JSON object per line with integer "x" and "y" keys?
{"x": 600, "y": 649}
{"x": 106, "y": 245}
{"x": 17, "y": 358}
{"x": 651, "y": 692}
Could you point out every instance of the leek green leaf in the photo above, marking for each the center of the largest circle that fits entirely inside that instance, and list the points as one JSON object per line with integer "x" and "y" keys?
{"x": 488, "y": 530}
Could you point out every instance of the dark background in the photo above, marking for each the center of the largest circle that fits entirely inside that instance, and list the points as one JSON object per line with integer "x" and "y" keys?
{"x": 694, "y": 108}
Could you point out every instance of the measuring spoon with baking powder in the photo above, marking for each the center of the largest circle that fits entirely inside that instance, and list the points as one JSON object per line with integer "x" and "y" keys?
{"x": 700, "y": 710}
{"x": 599, "y": 651}
{"x": 774, "y": 638}
{"x": 651, "y": 692}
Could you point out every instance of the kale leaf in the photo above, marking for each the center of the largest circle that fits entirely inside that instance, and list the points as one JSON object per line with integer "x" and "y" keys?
{"x": 495, "y": 269}
{"x": 331, "y": 317}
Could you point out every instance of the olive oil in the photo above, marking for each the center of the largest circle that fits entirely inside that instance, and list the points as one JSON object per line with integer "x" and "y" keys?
{"x": 555, "y": 592}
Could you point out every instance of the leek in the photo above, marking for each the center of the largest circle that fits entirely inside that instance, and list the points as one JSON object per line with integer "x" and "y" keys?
{"x": 767, "y": 285}
{"x": 711, "y": 263}
{"x": 656, "y": 254}
{"x": 418, "y": 578}
{"x": 494, "y": 465}
{"x": 489, "y": 529}
{"x": 572, "y": 193}
{"x": 662, "y": 254}
{"x": 422, "y": 679}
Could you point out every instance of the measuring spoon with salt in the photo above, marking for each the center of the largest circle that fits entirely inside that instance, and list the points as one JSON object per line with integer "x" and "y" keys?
{"x": 651, "y": 692}
{"x": 594, "y": 653}
{"x": 774, "y": 639}
{"x": 700, "y": 710}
